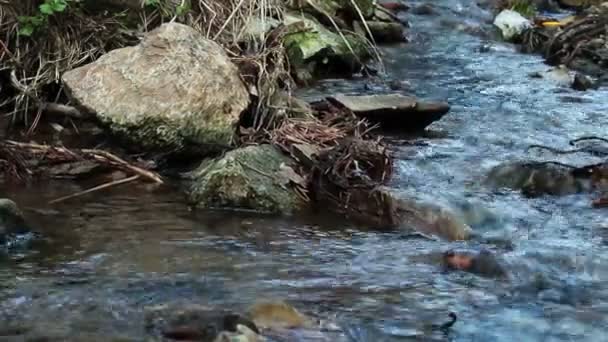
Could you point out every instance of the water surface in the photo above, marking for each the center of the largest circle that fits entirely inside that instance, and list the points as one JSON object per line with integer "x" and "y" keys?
{"x": 108, "y": 255}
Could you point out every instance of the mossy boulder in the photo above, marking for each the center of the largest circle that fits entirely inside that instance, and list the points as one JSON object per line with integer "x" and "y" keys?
{"x": 174, "y": 91}
{"x": 246, "y": 178}
{"x": 12, "y": 222}
{"x": 315, "y": 50}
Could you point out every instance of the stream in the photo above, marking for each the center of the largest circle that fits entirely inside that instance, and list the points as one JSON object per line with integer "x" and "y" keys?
{"x": 106, "y": 256}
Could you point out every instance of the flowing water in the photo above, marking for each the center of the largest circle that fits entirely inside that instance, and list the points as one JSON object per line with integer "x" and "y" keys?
{"x": 107, "y": 256}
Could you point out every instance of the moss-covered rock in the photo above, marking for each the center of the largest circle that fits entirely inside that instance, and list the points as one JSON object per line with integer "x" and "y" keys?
{"x": 12, "y": 222}
{"x": 175, "y": 90}
{"x": 314, "y": 50}
{"x": 246, "y": 178}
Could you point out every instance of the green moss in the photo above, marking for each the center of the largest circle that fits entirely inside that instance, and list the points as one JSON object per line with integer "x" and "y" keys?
{"x": 524, "y": 7}
{"x": 245, "y": 178}
{"x": 308, "y": 43}
{"x": 157, "y": 133}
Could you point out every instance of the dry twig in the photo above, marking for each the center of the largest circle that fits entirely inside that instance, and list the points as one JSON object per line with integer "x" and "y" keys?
{"x": 96, "y": 188}
{"x": 14, "y": 153}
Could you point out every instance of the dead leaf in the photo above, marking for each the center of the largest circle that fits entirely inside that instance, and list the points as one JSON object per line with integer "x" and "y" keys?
{"x": 289, "y": 175}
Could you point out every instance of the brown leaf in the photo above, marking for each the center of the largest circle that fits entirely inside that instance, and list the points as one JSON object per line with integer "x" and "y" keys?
{"x": 289, "y": 175}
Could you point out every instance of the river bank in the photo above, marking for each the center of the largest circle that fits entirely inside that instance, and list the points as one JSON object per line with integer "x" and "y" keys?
{"x": 257, "y": 147}
{"x": 377, "y": 285}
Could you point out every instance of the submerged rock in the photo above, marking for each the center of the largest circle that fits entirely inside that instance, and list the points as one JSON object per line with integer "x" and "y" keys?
{"x": 276, "y": 320}
{"x": 247, "y": 178}
{"x": 582, "y": 82}
{"x": 12, "y": 222}
{"x": 559, "y": 75}
{"x": 279, "y": 321}
{"x": 315, "y": 51}
{"x": 192, "y": 322}
{"x": 278, "y": 315}
{"x": 430, "y": 219}
{"x": 537, "y": 178}
{"x": 511, "y": 24}
{"x": 174, "y": 91}
{"x": 483, "y": 263}
{"x": 388, "y": 209}
{"x": 393, "y": 111}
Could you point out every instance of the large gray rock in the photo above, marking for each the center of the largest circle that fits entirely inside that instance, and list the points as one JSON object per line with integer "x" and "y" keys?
{"x": 174, "y": 90}
{"x": 11, "y": 220}
{"x": 251, "y": 178}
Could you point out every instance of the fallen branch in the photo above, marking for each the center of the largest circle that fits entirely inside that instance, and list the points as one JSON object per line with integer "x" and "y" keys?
{"x": 96, "y": 188}
{"x": 99, "y": 155}
{"x": 63, "y": 154}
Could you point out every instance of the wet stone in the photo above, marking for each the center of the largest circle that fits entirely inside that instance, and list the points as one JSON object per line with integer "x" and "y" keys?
{"x": 393, "y": 111}
{"x": 12, "y": 222}
{"x": 537, "y": 179}
{"x": 582, "y": 82}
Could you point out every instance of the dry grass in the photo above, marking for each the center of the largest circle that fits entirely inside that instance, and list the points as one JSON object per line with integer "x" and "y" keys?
{"x": 33, "y": 65}
{"x": 526, "y": 8}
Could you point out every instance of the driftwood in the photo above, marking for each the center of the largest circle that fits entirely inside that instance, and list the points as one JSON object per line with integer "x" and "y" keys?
{"x": 96, "y": 188}
{"x": 23, "y": 160}
{"x": 576, "y": 39}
